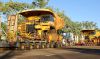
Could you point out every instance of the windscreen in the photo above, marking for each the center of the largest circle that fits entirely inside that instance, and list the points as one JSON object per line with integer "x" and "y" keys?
{"x": 46, "y": 18}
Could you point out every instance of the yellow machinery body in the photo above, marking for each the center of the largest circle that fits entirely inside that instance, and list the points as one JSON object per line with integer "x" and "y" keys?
{"x": 40, "y": 25}
{"x": 92, "y": 36}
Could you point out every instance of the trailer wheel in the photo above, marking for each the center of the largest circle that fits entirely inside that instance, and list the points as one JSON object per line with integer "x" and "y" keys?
{"x": 38, "y": 46}
{"x": 31, "y": 46}
{"x": 22, "y": 46}
{"x": 48, "y": 45}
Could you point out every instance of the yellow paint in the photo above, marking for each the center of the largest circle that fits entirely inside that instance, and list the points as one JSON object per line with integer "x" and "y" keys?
{"x": 93, "y": 37}
{"x": 59, "y": 23}
{"x": 50, "y": 37}
{"x": 97, "y": 33}
{"x": 40, "y": 32}
{"x": 36, "y": 18}
{"x": 38, "y": 26}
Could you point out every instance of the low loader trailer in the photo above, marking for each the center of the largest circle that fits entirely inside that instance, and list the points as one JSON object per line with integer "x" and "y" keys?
{"x": 39, "y": 29}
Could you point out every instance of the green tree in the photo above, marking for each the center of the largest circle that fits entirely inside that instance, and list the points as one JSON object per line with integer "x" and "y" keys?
{"x": 40, "y": 3}
{"x": 1, "y": 6}
{"x": 12, "y": 7}
{"x": 3, "y": 26}
{"x": 88, "y": 25}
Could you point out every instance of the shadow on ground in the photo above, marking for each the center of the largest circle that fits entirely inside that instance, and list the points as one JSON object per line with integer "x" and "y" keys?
{"x": 85, "y": 50}
{"x": 11, "y": 53}
{"x": 7, "y": 55}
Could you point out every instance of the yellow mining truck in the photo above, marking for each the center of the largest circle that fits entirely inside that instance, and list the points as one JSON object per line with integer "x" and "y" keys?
{"x": 92, "y": 37}
{"x": 39, "y": 29}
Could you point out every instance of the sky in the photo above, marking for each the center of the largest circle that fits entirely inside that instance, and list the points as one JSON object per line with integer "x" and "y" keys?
{"x": 76, "y": 10}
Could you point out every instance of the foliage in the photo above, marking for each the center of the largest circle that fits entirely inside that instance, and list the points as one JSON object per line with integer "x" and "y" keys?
{"x": 1, "y": 4}
{"x": 88, "y": 25}
{"x": 4, "y": 26}
{"x": 13, "y": 7}
{"x": 40, "y": 3}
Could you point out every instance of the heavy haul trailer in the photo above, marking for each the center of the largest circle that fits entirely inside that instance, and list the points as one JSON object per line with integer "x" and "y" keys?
{"x": 39, "y": 29}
